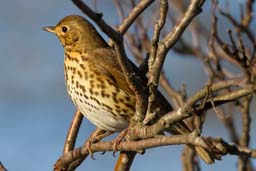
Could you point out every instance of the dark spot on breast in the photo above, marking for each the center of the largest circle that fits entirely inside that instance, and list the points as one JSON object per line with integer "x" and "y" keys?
{"x": 85, "y": 96}
{"x": 77, "y": 84}
{"x": 76, "y": 60}
{"x": 117, "y": 106}
{"x": 79, "y": 74}
{"x": 68, "y": 57}
{"x": 102, "y": 93}
{"x": 127, "y": 98}
{"x": 91, "y": 75}
{"x": 114, "y": 97}
{"x": 66, "y": 76}
{"x": 94, "y": 99}
{"x": 72, "y": 79}
{"x": 77, "y": 93}
{"x": 99, "y": 80}
{"x": 110, "y": 82}
{"x": 129, "y": 106}
{"x": 118, "y": 111}
{"x": 90, "y": 105}
{"x": 82, "y": 88}
{"x": 82, "y": 66}
{"x": 106, "y": 106}
{"x": 102, "y": 86}
{"x": 124, "y": 111}
{"x": 96, "y": 93}
{"x": 121, "y": 100}
{"x": 74, "y": 70}
{"x": 91, "y": 91}
{"x": 92, "y": 83}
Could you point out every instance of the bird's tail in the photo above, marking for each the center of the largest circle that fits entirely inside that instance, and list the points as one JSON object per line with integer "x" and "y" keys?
{"x": 181, "y": 128}
{"x": 204, "y": 155}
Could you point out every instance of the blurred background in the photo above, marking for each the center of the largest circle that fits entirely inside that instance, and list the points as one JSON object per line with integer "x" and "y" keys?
{"x": 35, "y": 110}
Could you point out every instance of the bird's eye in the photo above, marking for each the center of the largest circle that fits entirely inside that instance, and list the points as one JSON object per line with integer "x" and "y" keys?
{"x": 64, "y": 29}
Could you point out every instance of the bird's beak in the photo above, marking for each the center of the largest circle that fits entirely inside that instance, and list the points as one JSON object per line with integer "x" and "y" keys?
{"x": 49, "y": 29}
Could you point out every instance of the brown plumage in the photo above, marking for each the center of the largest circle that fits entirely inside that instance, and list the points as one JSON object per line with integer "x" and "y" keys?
{"x": 95, "y": 81}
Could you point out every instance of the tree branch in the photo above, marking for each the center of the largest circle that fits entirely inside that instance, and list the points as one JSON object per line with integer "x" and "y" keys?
{"x": 73, "y": 132}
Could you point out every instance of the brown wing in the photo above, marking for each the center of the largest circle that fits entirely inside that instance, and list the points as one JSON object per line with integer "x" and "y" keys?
{"x": 112, "y": 68}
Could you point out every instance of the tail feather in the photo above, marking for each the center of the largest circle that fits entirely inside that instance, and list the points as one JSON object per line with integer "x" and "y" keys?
{"x": 181, "y": 128}
{"x": 204, "y": 155}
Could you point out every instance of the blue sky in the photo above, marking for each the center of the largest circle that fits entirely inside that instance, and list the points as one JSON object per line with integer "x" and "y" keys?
{"x": 35, "y": 110}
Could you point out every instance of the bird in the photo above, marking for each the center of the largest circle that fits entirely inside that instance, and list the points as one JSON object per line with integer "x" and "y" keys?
{"x": 95, "y": 81}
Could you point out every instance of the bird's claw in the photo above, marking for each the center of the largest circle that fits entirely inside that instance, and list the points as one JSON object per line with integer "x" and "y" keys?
{"x": 118, "y": 140}
{"x": 88, "y": 146}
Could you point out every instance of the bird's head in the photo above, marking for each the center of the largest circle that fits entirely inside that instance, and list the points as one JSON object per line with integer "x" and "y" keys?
{"x": 76, "y": 32}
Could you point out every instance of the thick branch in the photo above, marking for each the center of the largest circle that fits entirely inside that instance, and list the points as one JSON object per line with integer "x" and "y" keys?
{"x": 125, "y": 160}
{"x": 193, "y": 105}
{"x": 221, "y": 147}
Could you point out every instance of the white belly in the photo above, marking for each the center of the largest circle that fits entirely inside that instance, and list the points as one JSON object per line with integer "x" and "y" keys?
{"x": 96, "y": 113}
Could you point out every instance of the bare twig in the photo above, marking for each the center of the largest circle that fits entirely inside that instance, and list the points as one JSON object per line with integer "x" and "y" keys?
{"x": 248, "y": 16}
{"x": 133, "y": 14}
{"x": 73, "y": 132}
{"x": 158, "y": 57}
{"x": 188, "y": 159}
{"x": 245, "y": 135}
{"x": 154, "y": 47}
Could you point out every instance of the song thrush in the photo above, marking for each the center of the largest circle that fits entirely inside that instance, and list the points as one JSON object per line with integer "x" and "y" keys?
{"x": 95, "y": 81}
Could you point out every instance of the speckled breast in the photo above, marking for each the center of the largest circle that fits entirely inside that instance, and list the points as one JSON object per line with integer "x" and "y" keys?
{"x": 96, "y": 96}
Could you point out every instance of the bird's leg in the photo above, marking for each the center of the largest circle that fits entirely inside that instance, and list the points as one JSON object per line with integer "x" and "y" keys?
{"x": 124, "y": 134}
{"x": 95, "y": 137}
{"x": 118, "y": 140}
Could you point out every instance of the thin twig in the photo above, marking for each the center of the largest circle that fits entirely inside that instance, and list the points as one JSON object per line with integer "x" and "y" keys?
{"x": 171, "y": 38}
{"x": 133, "y": 14}
{"x": 245, "y": 134}
{"x": 73, "y": 132}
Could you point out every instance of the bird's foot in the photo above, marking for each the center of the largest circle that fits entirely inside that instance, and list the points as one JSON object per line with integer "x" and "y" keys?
{"x": 118, "y": 140}
{"x": 88, "y": 145}
{"x": 95, "y": 137}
